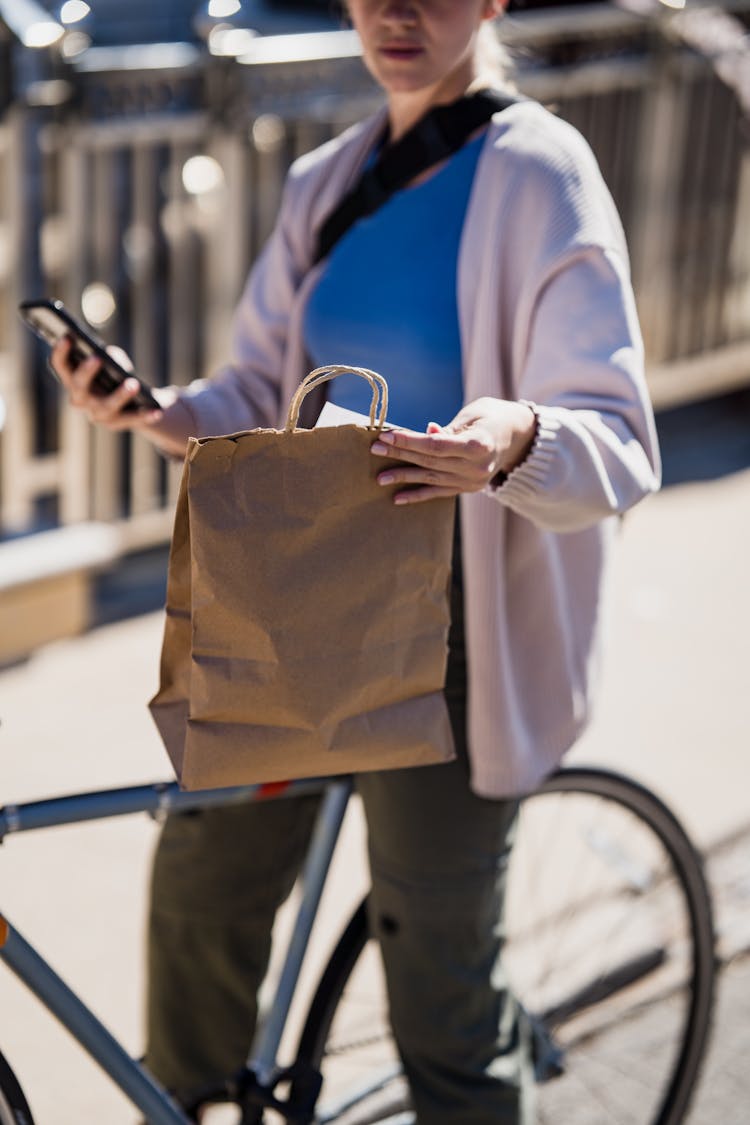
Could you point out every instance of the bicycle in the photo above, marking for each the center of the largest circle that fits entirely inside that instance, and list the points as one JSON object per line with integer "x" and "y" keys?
{"x": 622, "y": 936}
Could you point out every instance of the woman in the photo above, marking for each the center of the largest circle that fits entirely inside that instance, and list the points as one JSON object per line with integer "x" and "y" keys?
{"x": 493, "y": 292}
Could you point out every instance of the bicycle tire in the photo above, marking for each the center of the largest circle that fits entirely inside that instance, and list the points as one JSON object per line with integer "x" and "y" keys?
{"x": 14, "y": 1109}
{"x": 651, "y": 982}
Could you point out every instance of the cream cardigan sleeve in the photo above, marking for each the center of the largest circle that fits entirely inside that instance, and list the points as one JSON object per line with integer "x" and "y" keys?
{"x": 595, "y": 452}
{"x": 570, "y": 343}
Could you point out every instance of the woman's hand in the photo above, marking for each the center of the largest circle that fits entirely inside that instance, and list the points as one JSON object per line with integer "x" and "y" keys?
{"x": 104, "y": 410}
{"x": 487, "y": 437}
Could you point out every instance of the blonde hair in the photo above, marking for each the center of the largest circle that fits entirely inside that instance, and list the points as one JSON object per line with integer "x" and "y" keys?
{"x": 494, "y": 64}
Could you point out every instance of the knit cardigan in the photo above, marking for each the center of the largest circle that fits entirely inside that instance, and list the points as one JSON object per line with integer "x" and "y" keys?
{"x": 547, "y": 315}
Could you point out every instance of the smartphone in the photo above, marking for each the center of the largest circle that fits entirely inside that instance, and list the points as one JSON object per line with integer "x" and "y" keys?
{"x": 51, "y": 321}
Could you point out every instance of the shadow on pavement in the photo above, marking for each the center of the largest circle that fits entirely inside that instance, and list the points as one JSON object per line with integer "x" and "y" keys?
{"x": 705, "y": 440}
{"x": 137, "y": 585}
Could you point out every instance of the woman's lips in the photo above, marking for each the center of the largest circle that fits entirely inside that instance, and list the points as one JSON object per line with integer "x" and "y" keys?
{"x": 403, "y": 51}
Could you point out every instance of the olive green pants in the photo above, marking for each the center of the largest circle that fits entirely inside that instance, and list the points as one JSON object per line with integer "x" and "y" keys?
{"x": 438, "y": 857}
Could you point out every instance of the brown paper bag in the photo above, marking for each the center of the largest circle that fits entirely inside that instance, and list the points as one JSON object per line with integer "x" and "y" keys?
{"x": 307, "y": 615}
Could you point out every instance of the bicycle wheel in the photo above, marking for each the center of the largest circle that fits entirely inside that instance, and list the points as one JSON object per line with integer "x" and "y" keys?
{"x": 610, "y": 950}
{"x": 14, "y": 1109}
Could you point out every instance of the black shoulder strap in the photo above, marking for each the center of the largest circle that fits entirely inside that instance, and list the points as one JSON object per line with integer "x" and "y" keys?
{"x": 436, "y": 136}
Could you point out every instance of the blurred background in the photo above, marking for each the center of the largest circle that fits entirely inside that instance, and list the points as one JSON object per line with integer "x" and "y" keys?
{"x": 142, "y": 152}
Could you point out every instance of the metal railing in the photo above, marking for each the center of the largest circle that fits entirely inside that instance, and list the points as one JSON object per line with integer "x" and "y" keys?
{"x": 140, "y": 188}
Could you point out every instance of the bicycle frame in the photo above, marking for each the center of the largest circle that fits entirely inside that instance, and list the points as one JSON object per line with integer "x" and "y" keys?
{"x": 158, "y": 799}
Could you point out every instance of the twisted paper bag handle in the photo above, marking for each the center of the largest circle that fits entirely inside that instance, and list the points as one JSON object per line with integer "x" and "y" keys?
{"x": 378, "y": 409}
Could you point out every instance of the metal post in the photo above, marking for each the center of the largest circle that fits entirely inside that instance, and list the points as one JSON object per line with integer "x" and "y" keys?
{"x": 656, "y": 213}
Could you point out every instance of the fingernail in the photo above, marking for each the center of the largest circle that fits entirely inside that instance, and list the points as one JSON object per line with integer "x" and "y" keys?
{"x": 377, "y": 447}
{"x": 385, "y": 478}
{"x": 388, "y": 437}
{"x": 400, "y": 500}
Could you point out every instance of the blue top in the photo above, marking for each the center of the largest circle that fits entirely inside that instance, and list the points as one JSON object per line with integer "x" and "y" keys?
{"x": 386, "y": 299}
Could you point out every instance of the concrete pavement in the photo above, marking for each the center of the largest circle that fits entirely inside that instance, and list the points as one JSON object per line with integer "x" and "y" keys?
{"x": 674, "y": 713}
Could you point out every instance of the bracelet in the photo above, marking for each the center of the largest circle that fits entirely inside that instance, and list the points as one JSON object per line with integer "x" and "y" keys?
{"x": 501, "y": 476}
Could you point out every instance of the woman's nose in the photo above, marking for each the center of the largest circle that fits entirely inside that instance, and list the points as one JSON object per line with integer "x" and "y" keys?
{"x": 405, "y": 11}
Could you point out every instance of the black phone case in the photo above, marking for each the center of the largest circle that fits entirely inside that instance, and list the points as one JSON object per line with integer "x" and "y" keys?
{"x": 51, "y": 321}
